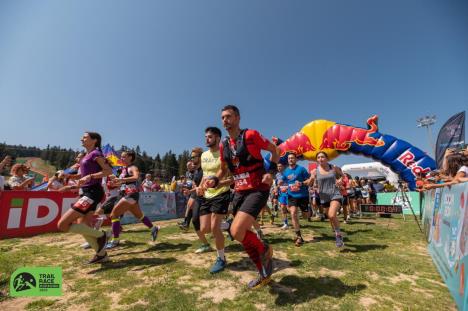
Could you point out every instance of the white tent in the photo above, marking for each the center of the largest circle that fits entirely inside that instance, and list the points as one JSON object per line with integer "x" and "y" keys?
{"x": 371, "y": 170}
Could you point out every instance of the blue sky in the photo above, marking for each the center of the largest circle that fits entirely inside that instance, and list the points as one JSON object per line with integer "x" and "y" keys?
{"x": 156, "y": 73}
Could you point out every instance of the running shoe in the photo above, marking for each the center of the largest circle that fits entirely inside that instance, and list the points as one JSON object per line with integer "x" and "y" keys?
{"x": 102, "y": 241}
{"x": 285, "y": 227}
{"x": 203, "y": 249}
{"x": 112, "y": 244}
{"x": 267, "y": 260}
{"x": 260, "y": 281}
{"x": 99, "y": 259}
{"x": 299, "y": 241}
{"x": 218, "y": 266}
{"x": 339, "y": 241}
{"x": 154, "y": 232}
{"x": 85, "y": 245}
{"x": 183, "y": 226}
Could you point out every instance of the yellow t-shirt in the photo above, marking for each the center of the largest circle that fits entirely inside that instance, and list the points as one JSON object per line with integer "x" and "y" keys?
{"x": 211, "y": 163}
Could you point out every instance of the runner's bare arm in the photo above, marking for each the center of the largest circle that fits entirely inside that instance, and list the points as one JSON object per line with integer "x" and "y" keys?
{"x": 134, "y": 171}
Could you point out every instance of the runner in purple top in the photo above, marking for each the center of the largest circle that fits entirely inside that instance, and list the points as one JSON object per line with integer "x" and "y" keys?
{"x": 93, "y": 167}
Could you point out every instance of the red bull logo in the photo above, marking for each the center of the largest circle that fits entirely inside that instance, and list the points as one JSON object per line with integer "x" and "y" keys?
{"x": 299, "y": 143}
{"x": 407, "y": 159}
{"x": 340, "y": 137}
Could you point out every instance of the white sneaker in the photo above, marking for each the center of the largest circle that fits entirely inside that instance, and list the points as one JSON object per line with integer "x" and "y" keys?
{"x": 285, "y": 227}
{"x": 85, "y": 245}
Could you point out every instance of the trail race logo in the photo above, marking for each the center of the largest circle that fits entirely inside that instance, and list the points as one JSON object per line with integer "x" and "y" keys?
{"x": 24, "y": 281}
{"x": 36, "y": 281}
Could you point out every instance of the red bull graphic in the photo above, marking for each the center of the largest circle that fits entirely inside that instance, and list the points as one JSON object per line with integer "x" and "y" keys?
{"x": 341, "y": 137}
{"x": 335, "y": 138}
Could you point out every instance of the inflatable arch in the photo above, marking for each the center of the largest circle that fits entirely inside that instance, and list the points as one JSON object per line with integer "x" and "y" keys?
{"x": 335, "y": 139}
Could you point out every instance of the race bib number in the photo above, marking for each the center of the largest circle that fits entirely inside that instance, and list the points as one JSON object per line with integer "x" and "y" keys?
{"x": 284, "y": 189}
{"x": 84, "y": 203}
{"x": 243, "y": 181}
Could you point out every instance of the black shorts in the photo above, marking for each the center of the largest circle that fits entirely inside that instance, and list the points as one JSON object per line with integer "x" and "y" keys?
{"x": 327, "y": 204}
{"x": 302, "y": 203}
{"x": 90, "y": 197}
{"x": 217, "y": 205}
{"x": 345, "y": 200}
{"x": 134, "y": 196}
{"x": 250, "y": 202}
{"x": 109, "y": 204}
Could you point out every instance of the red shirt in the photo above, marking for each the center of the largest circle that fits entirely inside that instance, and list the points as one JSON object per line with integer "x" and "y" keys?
{"x": 254, "y": 143}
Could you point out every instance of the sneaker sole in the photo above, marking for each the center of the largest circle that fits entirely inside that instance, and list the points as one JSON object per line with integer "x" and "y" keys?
{"x": 264, "y": 282}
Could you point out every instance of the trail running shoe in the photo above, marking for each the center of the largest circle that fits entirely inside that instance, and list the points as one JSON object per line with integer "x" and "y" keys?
{"x": 203, "y": 249}
{"x": 260, "y": 281}
{"x": 99, "y": 259}
{"x": 218, "y": 266}
{"x": 267, "y": 261}
{"x": 285, "y": 227}
{"x": 339, "y": 241}
{"x": 112, "y": 244}
{"x": 299, "y": 241}
{"x": 154, "y": 233}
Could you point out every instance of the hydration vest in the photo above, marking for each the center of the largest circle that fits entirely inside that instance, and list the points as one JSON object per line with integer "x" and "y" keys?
{"x": 246, "y": 169}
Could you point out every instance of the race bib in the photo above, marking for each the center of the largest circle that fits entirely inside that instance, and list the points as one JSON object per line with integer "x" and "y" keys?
{"x": 129, "y": 189}
{"x": 243, "y": 181}
{"x": 284, "y": 189}
{"x": 294, "y": 188}
{"x": 83, "y": 204}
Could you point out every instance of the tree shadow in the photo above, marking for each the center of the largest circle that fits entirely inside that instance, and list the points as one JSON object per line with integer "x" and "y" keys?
{"x": 358, "y": 248}
{"x": 355, "y": 231}
{"x": 276, "y": 239}
{"x": 293, "y": 289}
{"x": 245, "y": 264}
{"x": 234, "y": 248}
{"x": 164, "y": 247}
{"x": 142, "y": 263}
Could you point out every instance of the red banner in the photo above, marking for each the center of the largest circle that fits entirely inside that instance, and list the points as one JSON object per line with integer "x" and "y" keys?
{"x": 26, "y": 213}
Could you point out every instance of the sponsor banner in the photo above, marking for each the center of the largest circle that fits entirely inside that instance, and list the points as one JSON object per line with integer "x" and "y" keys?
{"x": 26, "y": 213}
{"x": 395, "y": 198}
{"x": 36, "y": 281}
{"x": 447, "y": 233}
{"x": 380, "y": 208}
{"x": 155, "y": 205}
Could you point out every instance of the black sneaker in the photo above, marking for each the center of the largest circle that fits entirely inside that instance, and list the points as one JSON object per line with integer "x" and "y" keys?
{"x": 299, "y": 241}
{"x": 102, "y": 242}
{"x": 99, "y": 259}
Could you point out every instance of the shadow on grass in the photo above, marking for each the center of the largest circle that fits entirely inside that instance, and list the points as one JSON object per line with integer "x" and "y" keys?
{"x": 245, "y": 264}
{"x": 356, "y": 231}
{"x": 142, "y": 263}
{"x": 360, "y": 248}
{"x": 293, "y": 289}
{"x": 164, "y": 247}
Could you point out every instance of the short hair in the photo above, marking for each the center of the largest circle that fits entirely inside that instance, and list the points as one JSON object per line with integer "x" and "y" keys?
{"x": 233, "y": 108}
{"x": 197, "y": 150}
{"x": 292, "y": 153}
{"x": 214, "y": 130}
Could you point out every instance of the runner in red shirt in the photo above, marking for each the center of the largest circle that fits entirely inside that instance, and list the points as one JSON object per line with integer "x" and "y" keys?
{"x": 240, "y": 154}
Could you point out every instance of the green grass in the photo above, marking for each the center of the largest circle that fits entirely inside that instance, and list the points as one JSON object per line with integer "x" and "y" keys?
{"x": 384, "y": 266}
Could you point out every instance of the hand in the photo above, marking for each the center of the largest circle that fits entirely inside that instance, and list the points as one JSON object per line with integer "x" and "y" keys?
{"x": 267, "y": 179}
{"x": 200, "y": 191}
{"x": 298, "y": 183}
{"x": 210, "y": 183}
{"x": 84, "y": 180}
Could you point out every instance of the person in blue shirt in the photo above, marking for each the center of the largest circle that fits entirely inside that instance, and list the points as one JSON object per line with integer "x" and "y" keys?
{"x": 297, "y": 178}
{"x": 282, "y": 190}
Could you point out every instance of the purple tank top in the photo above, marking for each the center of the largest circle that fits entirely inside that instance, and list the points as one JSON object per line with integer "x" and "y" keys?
{"x": 89, "y": 165}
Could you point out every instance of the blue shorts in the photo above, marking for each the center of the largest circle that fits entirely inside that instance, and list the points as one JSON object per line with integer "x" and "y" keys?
{"x": 283, "y": 199}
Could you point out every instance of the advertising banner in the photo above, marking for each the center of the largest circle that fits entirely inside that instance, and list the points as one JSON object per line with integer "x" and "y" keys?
{"x": 447, "y": 224}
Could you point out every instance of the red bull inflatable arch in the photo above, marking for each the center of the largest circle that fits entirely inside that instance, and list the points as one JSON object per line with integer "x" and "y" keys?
{"x": 335, "y": 139}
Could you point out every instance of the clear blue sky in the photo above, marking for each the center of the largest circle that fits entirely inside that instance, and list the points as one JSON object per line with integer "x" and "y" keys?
{"x": 156, "y": 73}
